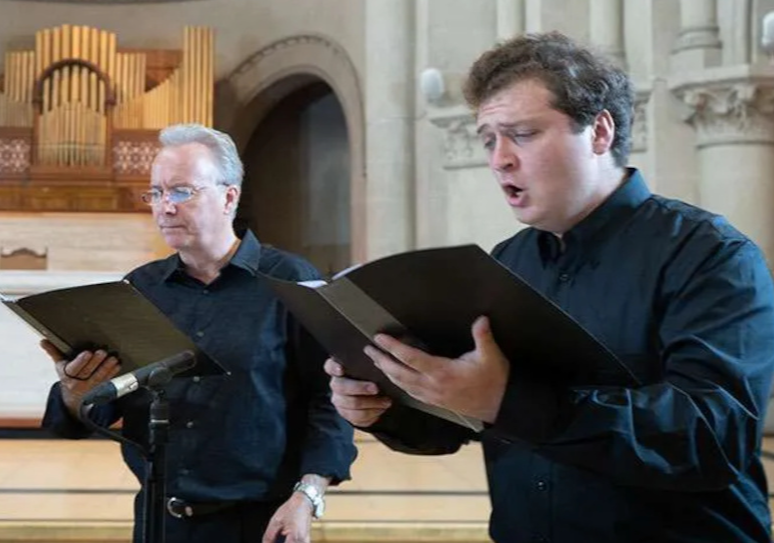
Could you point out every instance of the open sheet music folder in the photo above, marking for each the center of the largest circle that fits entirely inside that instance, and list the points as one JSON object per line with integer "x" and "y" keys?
{"x": 430, "y": 298}
{"x": 113, "y": 316}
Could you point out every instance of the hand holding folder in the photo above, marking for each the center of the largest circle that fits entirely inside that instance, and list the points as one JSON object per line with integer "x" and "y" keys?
{"x": 433, "y": 296}
{"x": 114, "y": 317}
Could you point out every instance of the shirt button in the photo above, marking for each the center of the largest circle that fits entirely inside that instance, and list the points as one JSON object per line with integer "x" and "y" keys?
{"x": 564, "y": 277}
{"x": 541, "y": 486}
{"x": 184, "y": 471}
{"x": 205, "y": 291}
{"x": 190, "y": 424}
{"x": 199, "y": 334}
{"x": 539, "y": 538}
{"x": 196, "y": 378}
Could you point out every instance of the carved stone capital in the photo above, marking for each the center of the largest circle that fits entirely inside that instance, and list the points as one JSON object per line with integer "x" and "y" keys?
{"x": 703, "y": 37}
{"x": 462, "y": 147}
{"x": 728, "y": 105}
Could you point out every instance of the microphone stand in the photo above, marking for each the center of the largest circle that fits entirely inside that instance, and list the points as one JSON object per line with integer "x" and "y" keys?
{"x": 154, "y": 503}
{"x": 155, "y": 483}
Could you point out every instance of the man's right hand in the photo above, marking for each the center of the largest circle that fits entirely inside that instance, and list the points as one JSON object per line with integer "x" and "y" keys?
{"x": 79, "y": 375}
{"x": 358, "y": 402}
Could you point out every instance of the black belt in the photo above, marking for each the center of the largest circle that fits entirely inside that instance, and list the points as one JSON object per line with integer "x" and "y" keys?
{"x": 182, "y": 509}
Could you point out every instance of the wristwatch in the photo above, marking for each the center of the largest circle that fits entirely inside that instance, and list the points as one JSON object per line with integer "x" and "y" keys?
{"x": 315, "y": 496}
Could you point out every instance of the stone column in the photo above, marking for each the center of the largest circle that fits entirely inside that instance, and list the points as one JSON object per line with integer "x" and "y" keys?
{"x": 510, "y": 19}
{"x": 389, "y": 94}
{"x": 606, "y": 25}
{"x": 732, "y": 111}
{"x": 698, "y": 45}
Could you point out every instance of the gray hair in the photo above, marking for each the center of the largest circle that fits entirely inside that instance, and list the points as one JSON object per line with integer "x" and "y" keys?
{"x": 220, "y": 145}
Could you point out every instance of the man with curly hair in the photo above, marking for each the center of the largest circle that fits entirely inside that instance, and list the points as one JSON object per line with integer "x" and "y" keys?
{"x": 681, "y": 297}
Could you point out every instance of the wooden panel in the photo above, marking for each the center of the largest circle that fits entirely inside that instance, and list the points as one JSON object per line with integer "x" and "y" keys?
{"x": 65, "y": 197}
{"x": 86, "y": 188}
{"x": 160, "y": 63}
{"x": 15, "y": 152}
{"x": 133, "y": 153}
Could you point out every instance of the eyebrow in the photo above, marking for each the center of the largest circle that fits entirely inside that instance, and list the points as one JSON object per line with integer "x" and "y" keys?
{"x": 501, "y": 126}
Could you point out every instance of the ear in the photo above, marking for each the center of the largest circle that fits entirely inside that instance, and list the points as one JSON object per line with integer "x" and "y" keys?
{"x": 603, "y": 132}
{"x": 232, "y": 199}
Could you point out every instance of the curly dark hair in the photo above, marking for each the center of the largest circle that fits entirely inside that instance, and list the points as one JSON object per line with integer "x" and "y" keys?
{"x": 582, "y": 82}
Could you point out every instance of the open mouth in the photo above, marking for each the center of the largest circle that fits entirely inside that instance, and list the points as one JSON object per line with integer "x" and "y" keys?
{"x": 515, "y": 196}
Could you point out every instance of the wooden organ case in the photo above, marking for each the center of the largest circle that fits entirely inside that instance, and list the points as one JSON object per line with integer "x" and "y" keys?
{"x": 79, "y": 117}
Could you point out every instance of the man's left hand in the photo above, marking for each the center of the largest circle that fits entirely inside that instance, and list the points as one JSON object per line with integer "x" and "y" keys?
{"x": 293, "y": 520}
{"x": 472, "y": 385}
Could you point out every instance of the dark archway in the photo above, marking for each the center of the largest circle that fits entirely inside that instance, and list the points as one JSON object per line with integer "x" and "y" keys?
{"x": 296, "y": 193}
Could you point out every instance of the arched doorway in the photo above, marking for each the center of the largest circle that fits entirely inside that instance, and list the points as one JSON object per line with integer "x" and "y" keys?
{"x": 296, "y": 192}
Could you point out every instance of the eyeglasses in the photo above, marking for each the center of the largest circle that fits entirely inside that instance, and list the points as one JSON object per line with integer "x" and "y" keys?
{"x": 179, "y": 194}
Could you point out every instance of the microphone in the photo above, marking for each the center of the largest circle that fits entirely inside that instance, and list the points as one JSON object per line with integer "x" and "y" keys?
{"x": 158, "y": 373}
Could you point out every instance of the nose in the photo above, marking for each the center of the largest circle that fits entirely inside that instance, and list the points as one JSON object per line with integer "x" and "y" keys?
{"x": 166, "y": 206}
{"x": 503, "y": 158}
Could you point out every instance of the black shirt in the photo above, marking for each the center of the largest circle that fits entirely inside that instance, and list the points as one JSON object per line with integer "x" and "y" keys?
{"x": 686, "y": 302}
{"x": 250, "y": 435}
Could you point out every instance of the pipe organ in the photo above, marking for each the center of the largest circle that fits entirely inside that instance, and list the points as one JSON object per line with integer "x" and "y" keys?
{"x": 79, "y": 116}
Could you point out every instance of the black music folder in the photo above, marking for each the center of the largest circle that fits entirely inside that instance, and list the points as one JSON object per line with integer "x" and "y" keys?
{"x": 430, "y": 298}
{"x": 113, "y": 316}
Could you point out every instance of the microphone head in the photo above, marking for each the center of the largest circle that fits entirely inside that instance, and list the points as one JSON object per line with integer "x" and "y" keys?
{"x": 180, "y": 362}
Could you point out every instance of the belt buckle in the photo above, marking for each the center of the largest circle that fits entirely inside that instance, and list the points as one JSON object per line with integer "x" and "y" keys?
{"x": 172, "y": 508}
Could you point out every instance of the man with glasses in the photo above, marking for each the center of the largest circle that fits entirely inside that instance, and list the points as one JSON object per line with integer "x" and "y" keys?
{"x": 250, "y": 454}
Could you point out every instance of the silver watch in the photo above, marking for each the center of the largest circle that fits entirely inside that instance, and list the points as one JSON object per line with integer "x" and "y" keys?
{"x": 315, "y": 496}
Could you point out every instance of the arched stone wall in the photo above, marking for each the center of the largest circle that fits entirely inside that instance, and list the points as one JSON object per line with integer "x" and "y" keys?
{"x": 287, "y": 65}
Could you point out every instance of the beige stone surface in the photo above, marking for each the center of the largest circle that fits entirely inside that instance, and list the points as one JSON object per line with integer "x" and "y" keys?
{"x": 59, "y": 490}
{"x": 704, "y": 127}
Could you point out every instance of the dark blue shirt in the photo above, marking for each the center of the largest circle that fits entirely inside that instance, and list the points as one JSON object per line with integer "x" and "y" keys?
{"x": 686, "y": 302}
{"x": 249, "y": 435}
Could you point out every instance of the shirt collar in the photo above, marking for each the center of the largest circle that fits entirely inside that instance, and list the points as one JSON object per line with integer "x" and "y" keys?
{"x": 247, "y": 257}
{"x": 625, "y": 199}
{"x": 248, "y": 254}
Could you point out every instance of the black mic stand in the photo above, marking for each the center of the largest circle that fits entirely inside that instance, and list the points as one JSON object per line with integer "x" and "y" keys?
{"x": 154, "y": 504}
{"x": 154, "y": 378}
{"x": 154, "y": 488}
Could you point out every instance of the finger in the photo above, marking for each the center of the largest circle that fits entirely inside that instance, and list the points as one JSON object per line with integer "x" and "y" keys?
{"x": 272, "y": 531}
{"x": 412, "y": 357}
{"x": 294, "y": 536}
{"x": 361, "y": 418}
{"x": 109, "y": 369}
{"x": 360, "y": 402}
{"x": 333, "y": 368}
{"x": 398, "y": 373}
{"x": 70, "y": 369}
{"x": 97, "y": 359}
{"x": 482, "y": 335}
{"x": 353, "y": 387}
{"x": 55, "y": 354}
{"x": 82, "y": 366}
{"x": 297, "y": 537}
